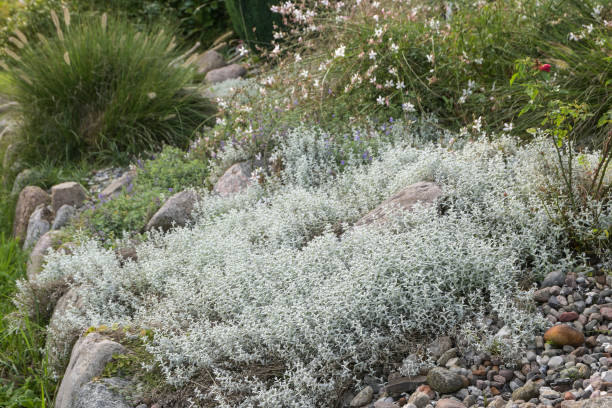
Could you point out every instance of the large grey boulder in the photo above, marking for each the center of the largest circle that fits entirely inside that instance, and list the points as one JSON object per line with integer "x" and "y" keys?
{"x": 209, "y": 61}
{"x": 38, "y": 224}
{"x": 176, "y": 210}
{"x": 29, "y": 198}
{"x": 223, "y": 74}
{"x": 115, "y": 187}
{"x": 37, "y": 256}
{"x": 423, "y": 192}
{"x": 105, "y": 393}
{"x": 88, "y": 359}
{"x": 63, "y": 216}
{"x": 70, "y": 192}
{"x": 234, "y": 180}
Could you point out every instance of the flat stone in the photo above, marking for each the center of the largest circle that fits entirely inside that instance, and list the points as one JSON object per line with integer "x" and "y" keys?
{"x": 117, "y": 185}
{"x": 177, "y": 211}
{"x": 232, "y": 71}
{"x": 439, "y": 346}
{"x": 568, "y": 316}
{"x": 405, "y": 384}
{"x": 61, "y": 335}
{"x": 88, "y": 359}
{"x": 70, "y": 192}
{"x": 424, "y": 193}
{"x": 235, "y": 180}
{"x": 29, "y": 198}
{"x": 601, "y": 402}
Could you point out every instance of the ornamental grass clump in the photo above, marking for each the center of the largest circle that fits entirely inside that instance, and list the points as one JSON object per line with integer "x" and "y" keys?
{"x": 264, "y": 302}
{"x": 101, "y": 88}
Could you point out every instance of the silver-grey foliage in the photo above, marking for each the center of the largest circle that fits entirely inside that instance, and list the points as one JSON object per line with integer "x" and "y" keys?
{"x": 264, "y": 279}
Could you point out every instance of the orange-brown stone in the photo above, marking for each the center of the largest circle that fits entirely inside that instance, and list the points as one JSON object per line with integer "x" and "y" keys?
{"x": 563, "y": 335}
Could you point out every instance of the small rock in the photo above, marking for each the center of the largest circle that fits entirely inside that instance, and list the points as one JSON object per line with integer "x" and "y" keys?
{"x": 176, "y": 210}
{"x": 555, "y": 362}
{"x": 439, "y": 346}
{"x": 234, "y": 180}
{"x": 606, "y": 312}
{"x": 209, "y": 61}
{"x": 449, "y": 403}
{"x": 448, "y": 354}
{"x": 556, "y": 278}
{"x": 63, "y": 216}
{"x": 568, "y": 316}
{"x": 223, "y": 74}
{"x": 419, "y": 399}
{"x": 37, "y": 256}
{"x": 541, "y": 295}
{"x": 117, "y": 185}
{"x": 526, "y": 392}
{"x": 363, "y": 398}
{"x": 404, "y": 384}
{"x": 25, "y": 177}
{"x": 444, "y": 381}
{"x": 563, "y": 334}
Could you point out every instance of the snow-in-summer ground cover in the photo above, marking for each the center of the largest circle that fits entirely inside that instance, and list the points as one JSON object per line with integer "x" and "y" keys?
{"x": 266, "y": 280}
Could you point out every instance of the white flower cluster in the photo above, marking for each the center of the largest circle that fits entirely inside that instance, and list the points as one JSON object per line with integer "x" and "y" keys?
{"x": 265, "y": 282}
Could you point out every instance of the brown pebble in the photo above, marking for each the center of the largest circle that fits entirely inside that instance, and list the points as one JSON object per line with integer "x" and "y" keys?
{"x": 568, "y": 396}
{"x": 562, "y": 335}
{"x": 494, "y": 391}
{"x": 568, "y": 316}
{"x": 402, "y": 401}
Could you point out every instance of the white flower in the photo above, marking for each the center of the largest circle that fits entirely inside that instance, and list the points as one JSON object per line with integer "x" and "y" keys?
{"x": 242, "y": 50}
{"x": 304, "y": 74}
{"x": 394, "y": 47}
{"x": 298, "y": 58}
{"x": 221, "y": 121}
{"x": 508, "y": 127}
{"x": 340, "y": 51}
{"x": 400, "y": 85}
{"x": 478, "y": 61}
{"x": 408, "y": 107}
{"x": 372, "y": 54}
{"x": 430, "y": 58}
{"x": 380, "y": 100}
{"x": 389, "y": 83}
{"x": 378, "y": 32}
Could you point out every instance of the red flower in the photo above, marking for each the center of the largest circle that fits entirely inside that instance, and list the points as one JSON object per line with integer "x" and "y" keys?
{"x": 544, "y": 67}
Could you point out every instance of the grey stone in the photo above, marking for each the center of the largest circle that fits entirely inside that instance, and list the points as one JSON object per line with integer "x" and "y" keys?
{"x": 223, "y": 74}
{"x": 448, "y": 354}
{"x": 601, "y": 402}
{"x": 29, "y": 198}
{"x": 70, "y": 192}
{"x": 63, "y": 216}
{"x": 25, "y": 177}
{"x": 176, "y": 210}
{"x": 556, "y": 278}
{"x": 424, "y": 193}
{"x": 117, "y": 185}
{"x": 209, "y": 61}
{"x": 404, "y": 384}
{"x": 61, "y": 334}
{"x": 38, "y": 224}
{"x": 439, "y": 346}
{"x": 526, "y": 392}
{"x": 234, "y": 180}
{"x": 102, "y": 394}
{"x": 555, "y": 362}
{"x": 364, "y": 397}
{"x": 419, "y": 399}
{"x": 88, "y": 359}
{"x": 444, "y": 381}
{"x": 37, "y": 256}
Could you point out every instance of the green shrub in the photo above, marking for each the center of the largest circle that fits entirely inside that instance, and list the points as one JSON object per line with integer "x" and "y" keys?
{"x": 156, "y": 180}
{"x": 101, "y": 89}
{"x": 253, "y": 20}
